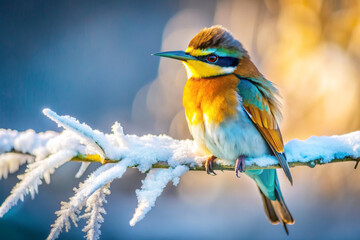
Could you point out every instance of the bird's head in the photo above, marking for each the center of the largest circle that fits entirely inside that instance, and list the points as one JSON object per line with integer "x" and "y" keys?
{"x": 212, "y": 52}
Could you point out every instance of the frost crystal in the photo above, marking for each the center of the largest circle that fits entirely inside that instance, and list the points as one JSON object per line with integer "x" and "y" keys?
{"x": 10, "y": 162}
{"x": 153, "y": 186}
{"x": 70, "y": 210}
{"x": 82, "y": 169}
{"x": 32, "y": 178}
{"x": 94, "y": 210}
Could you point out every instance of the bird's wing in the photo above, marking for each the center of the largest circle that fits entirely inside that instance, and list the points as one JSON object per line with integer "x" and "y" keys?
{"x": 258, "y": 110}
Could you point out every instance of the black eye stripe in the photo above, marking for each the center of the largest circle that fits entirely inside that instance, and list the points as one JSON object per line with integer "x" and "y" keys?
{"x": 227, "y": 62}
{"x": 222, "y": 61}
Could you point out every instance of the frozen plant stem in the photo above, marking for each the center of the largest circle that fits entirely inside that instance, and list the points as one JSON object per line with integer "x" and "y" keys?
{"x": 218, "y": 166}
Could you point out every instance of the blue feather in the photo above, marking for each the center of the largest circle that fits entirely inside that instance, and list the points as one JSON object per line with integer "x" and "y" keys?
{"x": 266, "y": 180}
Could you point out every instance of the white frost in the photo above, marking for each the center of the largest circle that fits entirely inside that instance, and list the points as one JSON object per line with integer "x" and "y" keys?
{"x": 94, "y": 210}
{"x": 32, "y": 178}
{"x": 93, "y": 138}
{"x": 70, "y": 210}
{"x": 325, "y": 149}
{"x": 153, "y": 186}
{"x": 82, "y": 169}
{"x": 27, "y": 142}
{"x": 10, "y": 162}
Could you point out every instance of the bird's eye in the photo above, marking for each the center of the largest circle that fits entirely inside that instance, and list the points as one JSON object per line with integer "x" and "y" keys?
{"x": 212, "y": 58}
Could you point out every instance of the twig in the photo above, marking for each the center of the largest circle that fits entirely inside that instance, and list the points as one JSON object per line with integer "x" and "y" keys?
{"x": 217, "y": 166}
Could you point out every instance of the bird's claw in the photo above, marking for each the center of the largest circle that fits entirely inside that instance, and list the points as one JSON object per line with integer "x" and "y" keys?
{"x": 239, "y": 165}
{"x": 209, "y": 165}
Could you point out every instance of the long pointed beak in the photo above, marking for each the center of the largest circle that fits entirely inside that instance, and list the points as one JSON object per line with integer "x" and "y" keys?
{"x": 179, "y": 55}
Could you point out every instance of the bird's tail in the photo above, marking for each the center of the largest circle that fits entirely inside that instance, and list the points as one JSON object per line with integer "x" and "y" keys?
{"x": 277, "y": 211}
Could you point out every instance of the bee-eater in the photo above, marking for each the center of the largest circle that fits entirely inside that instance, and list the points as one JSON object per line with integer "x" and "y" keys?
{"x": 232, "y": 111}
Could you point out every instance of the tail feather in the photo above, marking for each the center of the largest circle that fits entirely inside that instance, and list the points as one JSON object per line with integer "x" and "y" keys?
{"x": 285, "y": 228}
{"x": 283, "y": 212}
{"x": 280, "y": 205}
{"x": 277, "y": 211}
{"x": 273, "y": 201}
{"x": 269, "y": 209}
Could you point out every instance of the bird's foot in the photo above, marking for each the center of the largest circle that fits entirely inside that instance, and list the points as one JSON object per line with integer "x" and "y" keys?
{"x": 239, "y": 165}
{"x": 209, "y": 165}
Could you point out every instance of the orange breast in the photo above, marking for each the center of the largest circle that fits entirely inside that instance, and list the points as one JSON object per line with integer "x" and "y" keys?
{"x": 212, "y": 98}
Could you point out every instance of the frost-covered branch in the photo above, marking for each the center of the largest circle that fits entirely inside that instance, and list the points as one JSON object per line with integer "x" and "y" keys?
{"x": 93, "y": 212}
{"x": 153, "y": 185}
{"x": 311, "y": 152}
{"x": 117, "y": 151}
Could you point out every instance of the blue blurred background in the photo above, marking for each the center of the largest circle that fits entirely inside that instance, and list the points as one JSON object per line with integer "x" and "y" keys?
{"x": 92, "y": 60}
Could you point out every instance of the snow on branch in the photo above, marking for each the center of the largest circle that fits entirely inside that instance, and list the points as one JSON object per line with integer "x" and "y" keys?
{"x": 117, "y": 151}
{"x": 32, "y": 178}
{"x": 153, "y": 185}
{"x": 94, "y": 209}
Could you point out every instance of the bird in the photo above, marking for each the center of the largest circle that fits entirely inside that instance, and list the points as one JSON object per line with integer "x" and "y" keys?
{"x": 233, "y": 111}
